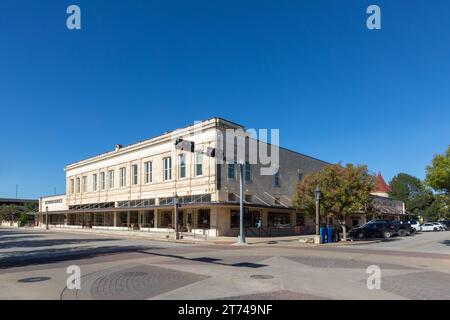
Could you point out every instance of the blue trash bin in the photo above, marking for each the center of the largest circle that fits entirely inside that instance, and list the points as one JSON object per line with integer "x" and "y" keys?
{"x": 330, "y": 237}
{"x": 323, "y": 234}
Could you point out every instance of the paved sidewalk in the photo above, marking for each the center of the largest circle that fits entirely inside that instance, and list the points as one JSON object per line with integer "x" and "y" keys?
{"x": 198, "y": 239}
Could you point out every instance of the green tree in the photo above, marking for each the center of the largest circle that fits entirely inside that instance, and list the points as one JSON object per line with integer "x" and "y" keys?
{"x": 438, "y": 173}
{"x": 412, "y": 191}
{"x": 8, "y": 212}
{"x": 346, "y": 190}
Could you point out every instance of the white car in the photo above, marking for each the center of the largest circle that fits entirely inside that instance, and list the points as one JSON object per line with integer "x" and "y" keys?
{"x": 444, "y": 227}
{"x": 429, "y": 227}
{"x": 415, "y": 225}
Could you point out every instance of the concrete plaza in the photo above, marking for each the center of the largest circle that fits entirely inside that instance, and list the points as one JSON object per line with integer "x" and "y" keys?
{"x": 33, "y": 264}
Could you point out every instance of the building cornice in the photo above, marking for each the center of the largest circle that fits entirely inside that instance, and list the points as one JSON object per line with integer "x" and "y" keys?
{"x": 164, "y": 138}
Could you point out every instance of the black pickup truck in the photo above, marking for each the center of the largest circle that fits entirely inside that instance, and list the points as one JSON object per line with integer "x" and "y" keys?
{"x": 381, "y": 228}
{"x": 402, "y": 229}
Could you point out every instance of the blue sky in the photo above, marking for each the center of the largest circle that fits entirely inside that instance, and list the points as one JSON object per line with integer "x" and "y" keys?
{"x": 336, "y": 90}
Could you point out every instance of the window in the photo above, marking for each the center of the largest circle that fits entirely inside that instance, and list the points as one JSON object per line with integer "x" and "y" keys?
{"x": 204, "y": 218}
{"x": 182, "y": 171}
{"x": 248, "y": 173}
{"x": 123, "y": 176}
{"x": 135, "y": 174}
{"x": 198, "y": 164}
{"x": 167, "y": 168}
{"x": 300, "y": 219}
{"x": 300, "y": 176}
{"x": 84, "y": 183}
{"x": 231, "y": 173}
{"x": 102, "y": 181}
{"x": 78, "y": 185}
{"x": 72, "y": 186}
{"x": 148, "y": 172}
{"x": 278, "y": 219}
{"x": 251, "y": 218}
{"x": 111, "y": 178}
{"x": 94, "y": 182}
{"x": 277, "y": 179}
{"x": 248, "y": 198}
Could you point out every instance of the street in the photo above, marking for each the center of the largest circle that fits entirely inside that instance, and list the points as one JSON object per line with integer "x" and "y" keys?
{"x": 33, "y": 265}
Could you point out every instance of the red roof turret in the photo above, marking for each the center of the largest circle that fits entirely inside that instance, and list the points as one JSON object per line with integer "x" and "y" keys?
{"x": 380, "y": 184}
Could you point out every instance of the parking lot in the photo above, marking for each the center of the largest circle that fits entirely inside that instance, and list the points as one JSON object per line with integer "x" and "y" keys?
{"x": 422, "y": 242}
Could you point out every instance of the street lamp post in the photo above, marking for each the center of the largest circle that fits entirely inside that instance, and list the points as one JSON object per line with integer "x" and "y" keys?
{"x": 177, "y": 231}
{"x": 318, "y": 194}
{"x": 241, "y": 238}
{"x": 46, "y": 217}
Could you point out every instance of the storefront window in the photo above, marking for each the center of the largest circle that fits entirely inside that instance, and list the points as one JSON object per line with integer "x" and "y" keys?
{"x": 300, "y": 219}
{"x": 251, "y": 218}
{"x": 204, "y": 218}
{"x": 166, "y": 219}
{"x": 148, "y": 219}
{"x": 123, "y": 218}
{"x": 279, "y": 219}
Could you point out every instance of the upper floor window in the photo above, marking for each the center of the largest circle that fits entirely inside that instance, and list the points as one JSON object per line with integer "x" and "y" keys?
{"x": 78, "y": 185}
{"x": 123, "y": 176}
{"x": 231, "y": 171}
{"x": 148, "y": 172}
{"x": 85, "y": 183}
{"x": 248, "y": 173}
{"x": 300, "y": 176}
{"x": 182, "y": 171}
{"x": 167, "y": 168}
{"x": 111, "y": 178}
{"x": 72, "y": 186}
{"x": 198, "y": 164}
{"x": 277, "y": 179}
{"x": 102, "y": 181}
{"x": 135, "y": 174}
{"x": 94, "y": 182}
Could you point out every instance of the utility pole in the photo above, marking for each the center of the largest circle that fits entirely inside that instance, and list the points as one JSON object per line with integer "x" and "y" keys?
{"x": 177, "y": 231}
{"x": 46, "y": 217}
{"x": 241, "y": 238}
{"x": 318, "y": 194}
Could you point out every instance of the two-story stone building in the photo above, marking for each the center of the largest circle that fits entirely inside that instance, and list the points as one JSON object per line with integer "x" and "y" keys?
{"x": 134, "y": 187}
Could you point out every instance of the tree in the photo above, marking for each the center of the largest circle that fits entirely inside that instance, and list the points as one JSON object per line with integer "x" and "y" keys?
{"x": 14, "y": 213}
{"x": 8, "y": 212}
{"x": 346, "y": 190}
{"x": 439, "y": 209}
{"x": 412, "y": 191}
{"x": 438, "y": 173}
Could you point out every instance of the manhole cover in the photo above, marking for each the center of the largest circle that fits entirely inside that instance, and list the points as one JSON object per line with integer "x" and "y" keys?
{"x": 261, "y": 276}
{"x": 33, "y": 279}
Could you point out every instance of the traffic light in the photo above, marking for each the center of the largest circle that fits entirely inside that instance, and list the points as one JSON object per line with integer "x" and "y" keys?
{"x": 211, "y": 152}
{"x": 184, "y": 145}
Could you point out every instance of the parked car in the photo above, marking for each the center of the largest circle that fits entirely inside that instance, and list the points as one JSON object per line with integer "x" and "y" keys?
{"x": 447, "y": 223}
{"x": 440, "y": 226}
{"x": 444, "y": 226}
{"x": 429, "y": 227}
{"x": 415, "y": 225}
{"x": 373, "y": 229}
{"x": 402, "y": 228}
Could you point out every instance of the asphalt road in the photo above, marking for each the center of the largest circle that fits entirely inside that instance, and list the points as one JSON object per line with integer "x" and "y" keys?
{"x": 33, "y": 265}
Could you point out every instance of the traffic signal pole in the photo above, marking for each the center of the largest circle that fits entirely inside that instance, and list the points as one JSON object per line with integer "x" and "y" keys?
{"x": 241, "y": 238}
